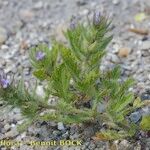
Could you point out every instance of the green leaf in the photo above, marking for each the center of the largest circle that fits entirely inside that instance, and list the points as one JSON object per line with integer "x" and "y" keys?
{"x": 70, "y": 62}
{"x": 111, "y": 135}
{"x": 71, "y": 119}
{"x": 114, "y": 73}
{"x": 75, "y": 38}
{"x": 122, "y": 103}
{"x": 60, "y": 81}
{"x": 49, "y": 62}
{"x": 145, "y": 123}
{"x": 40, "y": 74}
{"x": 137, "y": 103}
{"x": 87, "y": 83}
{"x": 23, "y": 127}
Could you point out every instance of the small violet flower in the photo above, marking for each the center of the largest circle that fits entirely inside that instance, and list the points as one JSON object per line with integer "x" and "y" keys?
{"x": 40, "y": 55}
{"x": 96, "y": 18}
{"x": 4, "y": 83}
{"x": 73, "y": 23}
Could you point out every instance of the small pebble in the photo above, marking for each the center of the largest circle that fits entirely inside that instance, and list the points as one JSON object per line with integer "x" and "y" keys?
{"x": 135, "y": 116}
{"x": 60, "y": 126}
{"x": 3, "y": 35}
{"x": 145, "y": 96}
{"x": 145, "y": 45}
{"x": 12, "y": 133}
{"x": 124, "y": 52}
{"x": 7, "y": 127}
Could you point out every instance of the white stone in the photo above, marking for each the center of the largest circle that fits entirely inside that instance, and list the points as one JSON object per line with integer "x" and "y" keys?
{"x": 40, "y": 91}
{"x": 61, "y": 126}
{"x": 38, "y": 5}
{"x": 145, "y": 45}
{"x": 116, "y": 2}
{"x": 4, "y": 47}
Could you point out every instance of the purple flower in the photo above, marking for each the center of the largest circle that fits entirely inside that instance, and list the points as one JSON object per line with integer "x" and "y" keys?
{"x": 73, "y": 23}
{"x": 96, "y": 18}
{"x": 4, "y": 83}
{"x": 40, "y": 55}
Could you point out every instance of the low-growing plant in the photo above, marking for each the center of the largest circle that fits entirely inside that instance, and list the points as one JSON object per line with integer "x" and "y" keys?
{"x": 71, "y": 73}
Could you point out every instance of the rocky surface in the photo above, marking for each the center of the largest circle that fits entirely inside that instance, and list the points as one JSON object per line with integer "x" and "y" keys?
{"x": 25, "y": 23}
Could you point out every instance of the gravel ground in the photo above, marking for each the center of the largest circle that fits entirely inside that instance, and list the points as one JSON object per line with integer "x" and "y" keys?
{"x": 25, "y": 23}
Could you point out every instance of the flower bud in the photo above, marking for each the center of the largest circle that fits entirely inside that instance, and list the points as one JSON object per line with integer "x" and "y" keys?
{"x": 96, "y": 18}
{"x": 73, "y": 23}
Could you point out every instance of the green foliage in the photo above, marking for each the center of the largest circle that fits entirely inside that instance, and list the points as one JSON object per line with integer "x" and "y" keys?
{"x": 20, "y": 97}
{"x": 113, "y": 135}
{"x": 45, "y": 67}
{"x": 72, "y": 75}
{"x": 145, "y": 123}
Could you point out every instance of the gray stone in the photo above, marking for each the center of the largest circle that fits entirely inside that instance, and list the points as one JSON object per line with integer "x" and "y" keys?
{"x": 23, "y": 135}
{"x": 116, "y": 2}
{"x": 26, "y": 15}
{"x": 33, "y": 130}
{"x": 84, "y": 147}
{"x": 1, "y": 126}
{"x": 18, "y": 117}
{"x": 92, "y": 146}
{"x": 26, "y": 147}
{"x": 1, "y": 136}
{"x": 147, "y": 141}
{"x": 40, "y": 91}
{"x": 145, "y": 110}
{"x": 81, "y": 2}
{"x": 89, "y": 131}
{"x": 87, "y": 143}
{"x": 44, "y": 132}
{"x": 126, "y": 67}
{"x": 60, "y": 126}
{"x": 145, "y": 96}
{"x": 52, "y": 124}
{"x": 3, "y": 35}
{"x": 135, "y": 116}
{"x": 4, "y": 47}
{"x": 73, "y": 129}
{"x": 7, "y": 127}
{"x": 12, "y": 133}
{"x": 38, "y": 5}
{"x": 102, "y": 145}
{"x": 145, "y": 45}
{"x": 124, "y": 144}
{"x": 113, "y": 58}
{"x": 56, "y": 132}
{"x": 101, "y": 107}
{"x": 65, "y": 135}
{"x": 74, "y": 136}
